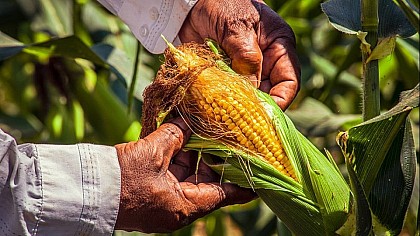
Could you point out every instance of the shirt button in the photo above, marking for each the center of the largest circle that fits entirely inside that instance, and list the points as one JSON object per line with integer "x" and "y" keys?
{"x": 144, "y": 31}
{"x": 192, "y": 3}
{"x": 154, "y": 13}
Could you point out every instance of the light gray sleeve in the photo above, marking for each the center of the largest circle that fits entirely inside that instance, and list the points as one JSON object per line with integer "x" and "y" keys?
{"x": 149, "y": 19}
{"x": 57, "y": 189}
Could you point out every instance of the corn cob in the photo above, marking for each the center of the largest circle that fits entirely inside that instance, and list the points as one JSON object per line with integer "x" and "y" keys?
{"x": 221, "y": 105}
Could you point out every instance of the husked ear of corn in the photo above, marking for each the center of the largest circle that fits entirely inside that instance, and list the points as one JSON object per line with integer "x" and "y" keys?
{"x": 222, "y": 105}
{"x": 259, "y": 144}
{"x": 219, "y": 106}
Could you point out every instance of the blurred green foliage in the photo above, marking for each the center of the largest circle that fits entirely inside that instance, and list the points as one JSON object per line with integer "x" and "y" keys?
{"x": 76, "y": 88}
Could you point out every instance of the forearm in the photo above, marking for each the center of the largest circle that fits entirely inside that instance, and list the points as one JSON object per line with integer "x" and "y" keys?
{"x": 150, "y": 19}
{"x": 58, "y": 189}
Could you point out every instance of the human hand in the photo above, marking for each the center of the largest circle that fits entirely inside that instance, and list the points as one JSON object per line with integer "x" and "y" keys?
{"x": 160, "y": 196}
{"x": 260, "y": 44}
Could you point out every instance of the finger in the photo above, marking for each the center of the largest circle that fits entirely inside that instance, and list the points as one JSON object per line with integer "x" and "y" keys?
{"x": 245, "y": 54}
{"x": 265, "y": 85}
{"x": 188, "y": 33}
{"x": 183, "y": 165}
{"x": 184, "y": 168}
{"x": 167, "y": 140}
{"x": 207, "y": 197}
{"x": 203, "y": 174}
{"x": 280, "y": 64}
{"x": 284, "y": 72}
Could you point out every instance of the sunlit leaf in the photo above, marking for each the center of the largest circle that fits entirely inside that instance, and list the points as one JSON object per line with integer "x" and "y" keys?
{"x": 57, "y": 16}
{"x": 383, "y": 48}
{"x": 122, "y": 66}
{"x": 411, "y": 11}
{"x": 71, "y": 47}
{"x": 9, "y": 46}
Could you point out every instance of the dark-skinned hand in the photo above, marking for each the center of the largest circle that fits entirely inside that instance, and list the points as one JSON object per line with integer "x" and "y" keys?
{"x": 260, "y": 44}
{"x": 160, "y": 191}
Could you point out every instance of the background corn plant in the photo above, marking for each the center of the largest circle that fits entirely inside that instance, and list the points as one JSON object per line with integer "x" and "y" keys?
{"x": 67, "y": 68}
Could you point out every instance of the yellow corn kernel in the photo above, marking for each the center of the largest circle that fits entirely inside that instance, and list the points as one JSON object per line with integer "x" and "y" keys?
{"x": 243, "y": 141}
{"x": 231, "y": 126}
{"x": 216, "y": 110}
{"x": 281, "y": 158}
{"x": 286, "y": 163}
{"x": 229, "y": 109}
{"x": 228, "y": 122}
{"x": 252, "y": 136}
{"x": 225, "y": 117}
{"x": 242, "y": 124}
{"x": 258, "y": 142}
{"x": 276, "y": 164}
{"x": 249, "y": 145}
{"x": 236, "y": 117}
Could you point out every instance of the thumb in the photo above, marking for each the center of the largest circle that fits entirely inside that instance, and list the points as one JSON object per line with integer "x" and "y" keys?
{"x": 245, "y": 54}
{"x": 168, "y": 139}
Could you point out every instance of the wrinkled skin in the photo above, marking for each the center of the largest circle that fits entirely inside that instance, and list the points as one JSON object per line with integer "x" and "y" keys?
{"x": 159, "y": 192}
{"x": 260, "y": 44}
{"x": 160, "y": 196}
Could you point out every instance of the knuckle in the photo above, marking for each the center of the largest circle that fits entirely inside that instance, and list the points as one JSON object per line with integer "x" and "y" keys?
{"x": 173, "y": 132}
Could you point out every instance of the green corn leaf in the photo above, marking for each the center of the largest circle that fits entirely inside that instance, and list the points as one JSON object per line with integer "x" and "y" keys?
{"x": 56, "y": 17}
{"x": 319, "y": 175}
{"x": 384, "y": 160}
{"x": 284, "y": 196}
{"x": 360, "y": 220}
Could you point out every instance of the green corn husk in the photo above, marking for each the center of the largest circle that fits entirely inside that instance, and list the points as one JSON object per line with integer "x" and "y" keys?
{"x": 318, "y": 202}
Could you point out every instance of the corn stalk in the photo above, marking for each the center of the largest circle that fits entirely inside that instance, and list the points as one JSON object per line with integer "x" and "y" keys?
{"x": 371, "y": 92}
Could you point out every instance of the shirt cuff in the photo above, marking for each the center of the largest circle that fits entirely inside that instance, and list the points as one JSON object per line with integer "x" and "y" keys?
{"x": 80, "y": 195}
{"x": 148, "y": 20}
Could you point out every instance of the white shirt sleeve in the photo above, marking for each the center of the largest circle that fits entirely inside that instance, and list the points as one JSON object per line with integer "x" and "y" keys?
{"x": 149, "y": 19}
{"x": 58, "y": 189}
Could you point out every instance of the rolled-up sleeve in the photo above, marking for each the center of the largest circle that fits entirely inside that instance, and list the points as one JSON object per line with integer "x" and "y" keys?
{"x": 57, "y": 189}
{"x": 149, "y": 19}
